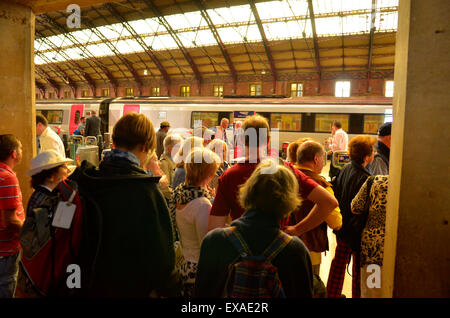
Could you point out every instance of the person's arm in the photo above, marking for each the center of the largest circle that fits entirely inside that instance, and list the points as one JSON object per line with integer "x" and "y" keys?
{"x": 220, "y": 208}
{"x": 86, "y": 128}
{"x": 10, "y": 221}
{"x": 325, "y": 203}
{"x": 334, "y": 220}
{"x": 359, "y": 201}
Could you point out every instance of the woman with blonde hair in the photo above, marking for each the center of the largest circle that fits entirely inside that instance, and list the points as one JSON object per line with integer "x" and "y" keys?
{"x": 190, "y": 203}
{"x": 266, "y": 199}
{"x": 186, "y": 147}
{"x": 220, "y": 148}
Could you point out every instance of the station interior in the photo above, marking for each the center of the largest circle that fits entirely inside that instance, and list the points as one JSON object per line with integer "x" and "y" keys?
{"x": 390, "y": 52}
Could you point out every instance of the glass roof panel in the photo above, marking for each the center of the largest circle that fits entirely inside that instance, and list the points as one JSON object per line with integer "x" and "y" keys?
{"x": 244, "y": 28}
{"x": 38, "y": 60}
{"x": 205, "y": 37}
{"x": 230, "y": 15}
{"x": 386, "y": 21}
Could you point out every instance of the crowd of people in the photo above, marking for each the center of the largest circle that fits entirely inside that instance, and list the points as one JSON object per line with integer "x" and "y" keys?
{"x": 163, "y": 214}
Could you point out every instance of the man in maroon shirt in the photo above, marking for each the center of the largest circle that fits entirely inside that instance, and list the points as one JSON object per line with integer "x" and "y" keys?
{"x": 226, "y": 202}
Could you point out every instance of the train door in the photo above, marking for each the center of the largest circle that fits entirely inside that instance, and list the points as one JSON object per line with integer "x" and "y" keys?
{"x": 76, "y": 112}
{"x": 127, "y": 108}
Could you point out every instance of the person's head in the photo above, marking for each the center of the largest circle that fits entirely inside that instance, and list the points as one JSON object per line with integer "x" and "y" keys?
{"x": 41, "y": 124}
{"x": 151, "y": 162}
{"x": 48, "y": 168}
{"x": 83, "y": 120}
{"x": 186, "y": 147}
{"x": 293, "y": 147}
{"x": 220, "y": 148}
{"x": 257, "y": 132}
{"x": 10, "y": 150}
{"x": 361, "y": 149}
{"x": 134, "y": 133}
{"x": 311, "y": 154}
{"x": 93, "y": 113}
{"x": 336, "y": 125}
{"x": 172, "y": 144}
{"x": 201, "y": 165}
{"x": 165, "y": 125}
{"x": 384, "y": 134}
{"x": 275, "y": 193}
{"x": 224, "y": 123}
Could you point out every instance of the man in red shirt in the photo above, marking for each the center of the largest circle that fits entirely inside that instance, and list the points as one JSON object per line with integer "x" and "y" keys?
{"x": 226, "y": 201}
{"x": 11, "y": 214}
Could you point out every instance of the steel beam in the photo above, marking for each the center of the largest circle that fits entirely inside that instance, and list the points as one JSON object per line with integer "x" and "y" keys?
{"x": 119, "y": 55}
{"x": 265, "y": 43}
{"x": 162, "y": 20}
{"x": 216, "y": 35}
{"x": 316, "y": 43}
{"x": 372, "y": 32}
{"x": 141, "y": 42}
{"x": 62, "y": 29}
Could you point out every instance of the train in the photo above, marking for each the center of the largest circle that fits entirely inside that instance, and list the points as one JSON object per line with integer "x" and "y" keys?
{"x": 289, "y": 118}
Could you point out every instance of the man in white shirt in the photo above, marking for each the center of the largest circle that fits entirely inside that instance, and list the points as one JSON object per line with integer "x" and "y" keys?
{"x": 339, "y": 142}
{"x": 46, "y": 138}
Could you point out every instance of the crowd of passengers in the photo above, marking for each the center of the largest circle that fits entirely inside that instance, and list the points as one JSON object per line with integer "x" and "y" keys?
{"x": 166, "y": 203}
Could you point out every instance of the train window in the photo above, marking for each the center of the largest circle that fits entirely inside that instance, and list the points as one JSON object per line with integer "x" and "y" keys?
{"x": 155, "y": 91}
{"x": 342, "y": 89}
{"x": 53, "y": 116}
{"x": 84, "y": 93}
{"x": 209, "y": 119}
{"x": 372, "y": 122}
{"x": 129, "y": 91}
{"x": 51, "y": 95}
{"x": 324, "y": 121}
{"x": 255, "y": 89}
{"x": 185, "y": 91}
{"x": 105, "y": 92}
{"x": 296, "y": 90}
{"x": 286, "y": 121}
{"x": 218, "y": 90}
{"x": 389, "y": 89}
{"x": 66, "y": 94}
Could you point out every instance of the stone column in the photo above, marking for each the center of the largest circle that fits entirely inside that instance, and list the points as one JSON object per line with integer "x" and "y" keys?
{"x": 17, "y": 110}
{"x": 417, "y": 243}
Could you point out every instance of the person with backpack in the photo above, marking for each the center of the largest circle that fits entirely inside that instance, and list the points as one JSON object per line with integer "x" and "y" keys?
{"x": 48, "y": 169}
{"x": 371, "y": 200}
{"x": 127, "y": 248}
{"x": 254, "y": 258}
{"x": 346, "y": 186}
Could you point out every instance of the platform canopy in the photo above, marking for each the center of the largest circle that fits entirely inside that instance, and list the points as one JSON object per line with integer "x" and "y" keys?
{"x": 166, "y": 39}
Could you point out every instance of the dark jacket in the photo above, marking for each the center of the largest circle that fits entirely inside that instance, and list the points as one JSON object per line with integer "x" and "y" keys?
{"x": 258, "y": 229}
{"x": 316, "y": 240}
{"x": 135, "y": 255}
{"x": 346, "y": 186}
{"x": 92, "y": 126}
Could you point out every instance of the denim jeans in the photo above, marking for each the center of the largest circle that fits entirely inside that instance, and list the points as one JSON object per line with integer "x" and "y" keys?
{"x": 9, "y": 269}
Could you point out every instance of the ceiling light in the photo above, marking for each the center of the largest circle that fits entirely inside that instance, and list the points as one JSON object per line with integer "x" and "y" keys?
{"x": 145, "y": 72}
